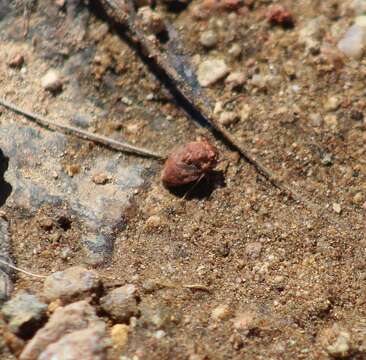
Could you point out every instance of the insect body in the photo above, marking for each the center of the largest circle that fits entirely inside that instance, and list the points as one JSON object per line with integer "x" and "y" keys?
{"x": 189, "y": 163}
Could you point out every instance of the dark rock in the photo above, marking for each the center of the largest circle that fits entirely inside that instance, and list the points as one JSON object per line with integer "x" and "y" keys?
{"x": 25, "y": 314}
{"x": 99, "y": 208}
{"x": 6, "y": 283}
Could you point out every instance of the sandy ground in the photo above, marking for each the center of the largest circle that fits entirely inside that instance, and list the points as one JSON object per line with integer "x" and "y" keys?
{"x": 292, "y": 278}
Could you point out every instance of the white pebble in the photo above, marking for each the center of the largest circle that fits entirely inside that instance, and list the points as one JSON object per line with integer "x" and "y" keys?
{"x": 208, "y": 39}
{"x": 228, "y": 118}
{"x": 235, "y": 50}
{"x": 353, "y": 42}
{"x": 52, "y": 81}
{"x": 211, "y": 71}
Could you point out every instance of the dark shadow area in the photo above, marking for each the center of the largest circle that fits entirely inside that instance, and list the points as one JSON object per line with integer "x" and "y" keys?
{"x": 201, "y": 189}
{"x": 64, "y": 222}
{"x": 154, "y": 68}
{"x": 5, "y": 188}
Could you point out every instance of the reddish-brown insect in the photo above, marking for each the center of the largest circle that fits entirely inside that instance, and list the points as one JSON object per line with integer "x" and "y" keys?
{"x": 189, "y": 163}
{"x": 278, "y": 15}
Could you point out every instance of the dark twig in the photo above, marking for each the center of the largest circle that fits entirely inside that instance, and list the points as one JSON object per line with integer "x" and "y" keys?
{"x": 86, "y": 135}
{"x": 125, "y": 15}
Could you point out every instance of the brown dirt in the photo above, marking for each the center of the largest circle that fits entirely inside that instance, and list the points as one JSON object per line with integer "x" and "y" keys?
{"x": 296, "y": 272}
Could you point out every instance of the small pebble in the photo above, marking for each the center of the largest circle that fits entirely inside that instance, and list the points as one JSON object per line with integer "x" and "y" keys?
{"x": 46, "y": 223}
{"x": 151, "y": 20}
{"x": 157, "y": 316}
{"x": 121, "y": 303}
{"x": 153, "y": 221}
{"x": 331, "y": 121}
{"x": 208, "y": 39}
{"x": 336, "y": 342}
{"x": 358, "y": 198}
{"x": 159, "y": 334}
{"x": 72, "y": 169}
{"x": 245, "y": 320}
{"x": 236, "y": 78}
{"x": 17, "y": 61}
{"x": 100, "y": 179}
{"x": 253, "y": 249}
{"x": 316, "y": 119}
{"x": 52, "y": 81}
{"x": 119, "y": 336}
{"x": 332, "y": 103}
{"x": 245, "y": 112}
{"x": 353, "y": 42}
{"x": 221, "y": 312}
{"x": 327, "y": 159}
{"x": 337, "y": 208}
{"x": 228, "y": 118}
{"x": 71, "y": 284}
{"x": 211, "y": 71}
{"x": 234, "y": 50}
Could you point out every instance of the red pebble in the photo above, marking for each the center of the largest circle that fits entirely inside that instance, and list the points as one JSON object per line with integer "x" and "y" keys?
{"x": 278, "y": 15}
{"x": 188, "y": 163}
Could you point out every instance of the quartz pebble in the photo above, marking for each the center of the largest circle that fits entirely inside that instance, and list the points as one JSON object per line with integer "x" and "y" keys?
{"x": 52, "y": 81}
{"x": 221, "y": 312}
{"x": 71, "y": 284}
{"x": 353, "y": 41}
{"x": 234, "y": 50}
{"x": 210, "y": 71}
{"x": 208, "y": 39}
{"x": 228, "y": 118}
{"x": 337, "y": 208}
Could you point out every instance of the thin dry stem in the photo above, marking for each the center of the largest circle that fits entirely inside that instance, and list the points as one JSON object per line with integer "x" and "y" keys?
{"x": 86, "y": 135}
{"x": 11, "y": 266}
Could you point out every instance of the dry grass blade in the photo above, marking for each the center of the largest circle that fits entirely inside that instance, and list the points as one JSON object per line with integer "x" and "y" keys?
{"x": 71, "y": 130}
{"x": 21, "y": 270}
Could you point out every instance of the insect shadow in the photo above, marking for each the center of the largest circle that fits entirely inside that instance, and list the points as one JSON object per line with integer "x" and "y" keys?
{"x": 5, "y": 188}
{"x": 202, "y": 188}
